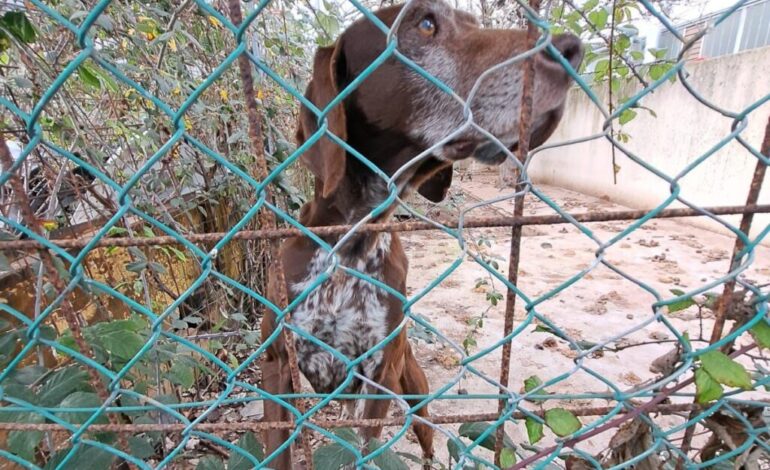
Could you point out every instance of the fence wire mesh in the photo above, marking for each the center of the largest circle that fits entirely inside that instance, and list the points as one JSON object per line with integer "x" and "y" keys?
{"x": 72, "y": 393}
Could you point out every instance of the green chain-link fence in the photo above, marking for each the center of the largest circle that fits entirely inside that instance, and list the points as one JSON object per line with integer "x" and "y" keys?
{"x": 89, "y": 409}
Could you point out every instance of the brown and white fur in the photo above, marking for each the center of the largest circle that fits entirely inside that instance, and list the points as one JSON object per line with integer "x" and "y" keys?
{"x": 391, "y": 117}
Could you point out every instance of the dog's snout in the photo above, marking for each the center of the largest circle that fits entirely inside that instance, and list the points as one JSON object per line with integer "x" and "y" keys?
{"x": 570, "y": 47}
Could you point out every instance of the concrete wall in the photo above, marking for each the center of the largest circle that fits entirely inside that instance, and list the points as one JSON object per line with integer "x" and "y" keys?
{"x": 683, "y": 130}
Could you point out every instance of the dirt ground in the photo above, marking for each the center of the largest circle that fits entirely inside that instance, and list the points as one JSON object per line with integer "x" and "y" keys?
{"x": 664, "y": 254}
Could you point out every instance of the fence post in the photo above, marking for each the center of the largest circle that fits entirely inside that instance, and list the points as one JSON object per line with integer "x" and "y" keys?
{"x": 266, "y": 217}
{"x": 525, "y": 122}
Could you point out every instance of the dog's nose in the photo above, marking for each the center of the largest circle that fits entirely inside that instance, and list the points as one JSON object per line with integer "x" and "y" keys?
{"x": 570, "y": 48}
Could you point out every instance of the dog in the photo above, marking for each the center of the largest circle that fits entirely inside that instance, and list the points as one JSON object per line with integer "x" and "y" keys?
{"x": 393, "y": 115}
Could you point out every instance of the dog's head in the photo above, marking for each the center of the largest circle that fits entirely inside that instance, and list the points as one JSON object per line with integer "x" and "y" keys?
{"x": 395, "y": 113}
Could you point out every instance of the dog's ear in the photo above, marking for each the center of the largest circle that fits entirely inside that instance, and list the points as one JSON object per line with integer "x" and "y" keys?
{"x": 544, "y": 131}
{"x": 325, "y": 159}
{"x": 436, "y": 186}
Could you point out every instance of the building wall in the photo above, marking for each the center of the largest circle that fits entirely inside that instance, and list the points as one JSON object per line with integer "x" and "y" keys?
{"x": 683, "y": 130}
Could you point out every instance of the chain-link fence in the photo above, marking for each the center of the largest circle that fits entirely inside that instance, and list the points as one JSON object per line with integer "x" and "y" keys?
{"x": 84, "y": 387}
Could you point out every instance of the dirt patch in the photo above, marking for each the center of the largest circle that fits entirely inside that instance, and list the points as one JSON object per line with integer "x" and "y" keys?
{"x": 601, "y": 304}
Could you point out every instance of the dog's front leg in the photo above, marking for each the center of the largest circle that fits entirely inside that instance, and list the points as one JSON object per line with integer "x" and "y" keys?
{"x": 276, "y": 379}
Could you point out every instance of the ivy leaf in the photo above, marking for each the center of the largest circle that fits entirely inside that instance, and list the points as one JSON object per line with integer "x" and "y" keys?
{"x": 248, "y": 442}
{"x": 562, "y": 422}
{"x": 725, "y": 370}
{"x": 761, "y": 334}
{"x": 534, "y": 430}
{"x": 706, "y": 388}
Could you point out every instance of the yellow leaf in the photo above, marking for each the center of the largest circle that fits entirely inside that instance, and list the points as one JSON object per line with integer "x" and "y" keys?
{"x": 214, "y": 22}
{"x": 49, "y": 225}
{"x": 149, "y": 36}
{"x": 260, "y": 94}
{"x": 176, "y": 91}
{"x": 172, "y": 45}
{"x": 223, "y": 94}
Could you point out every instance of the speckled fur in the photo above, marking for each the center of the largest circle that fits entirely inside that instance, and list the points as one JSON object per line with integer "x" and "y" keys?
{"x": 347, "y": 313}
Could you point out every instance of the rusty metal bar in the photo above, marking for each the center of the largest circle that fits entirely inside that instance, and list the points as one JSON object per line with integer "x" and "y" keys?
{"x": 525, "y": 124}
{"x": 726, "y": 300}
{"x": 476, "y": 222}
{"x": 267, "y": 218}
{"x": 335, "y": 423}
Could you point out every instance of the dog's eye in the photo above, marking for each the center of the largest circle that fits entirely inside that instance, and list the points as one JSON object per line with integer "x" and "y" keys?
{"x": 427, "y": 26}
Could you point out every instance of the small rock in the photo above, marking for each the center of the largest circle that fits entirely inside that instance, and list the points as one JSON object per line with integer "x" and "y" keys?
{"x": 192, "y": 444}
{"x": 253, "y": 410}
{"x": 546, "y": 245}
{"x": 630, "y": 316}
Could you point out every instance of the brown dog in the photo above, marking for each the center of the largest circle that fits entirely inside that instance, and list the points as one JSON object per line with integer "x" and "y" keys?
{"x": 391, "y": 117}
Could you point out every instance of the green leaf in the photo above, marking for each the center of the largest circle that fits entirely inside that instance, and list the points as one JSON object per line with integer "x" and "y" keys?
{"x": 348, "y": 435}
{"x": 599, "y": 18}
{"x": 534, "y": 430}
{"x": 455, "y": 448}
{"x": 680, "y": 304}
{"x": 136, "y": 266}
{"x": 507, "y": 457}
{"x": 658, "y": 70}
{"x": 210, "y": 462}
{"x": 122, "y": 344}
{"x": 725, "y": 370}
{"x": 626, "y": 116}
{"x": 81, "y": 400}
{"x": 387, "y": 460}
{"x": 27, "y": 375}
{"x": 248, "y": 442}
{"x": 88, "y": 77}
{"x": 92, "y": 458}
{"x": 706, "y": 388}
{"x": 562, "y": 422}
{"x": 17, "y": 23}
{"x": 181, "y": 374}
{"x": 761, "y": 334}
{"x": 473, "y": 430}
{"x": 532, "y": 383}
{"x": 141, "y": 447}
{"x": 61, "y": 384}
{"x": 24, "y": 443}
{"x": 332, "y": 457}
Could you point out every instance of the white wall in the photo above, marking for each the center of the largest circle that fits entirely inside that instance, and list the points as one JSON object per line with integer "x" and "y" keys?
{"x": 683, "y": 130}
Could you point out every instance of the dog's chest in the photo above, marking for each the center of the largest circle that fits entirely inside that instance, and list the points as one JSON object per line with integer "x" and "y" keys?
{"x": 345, "y": 312}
